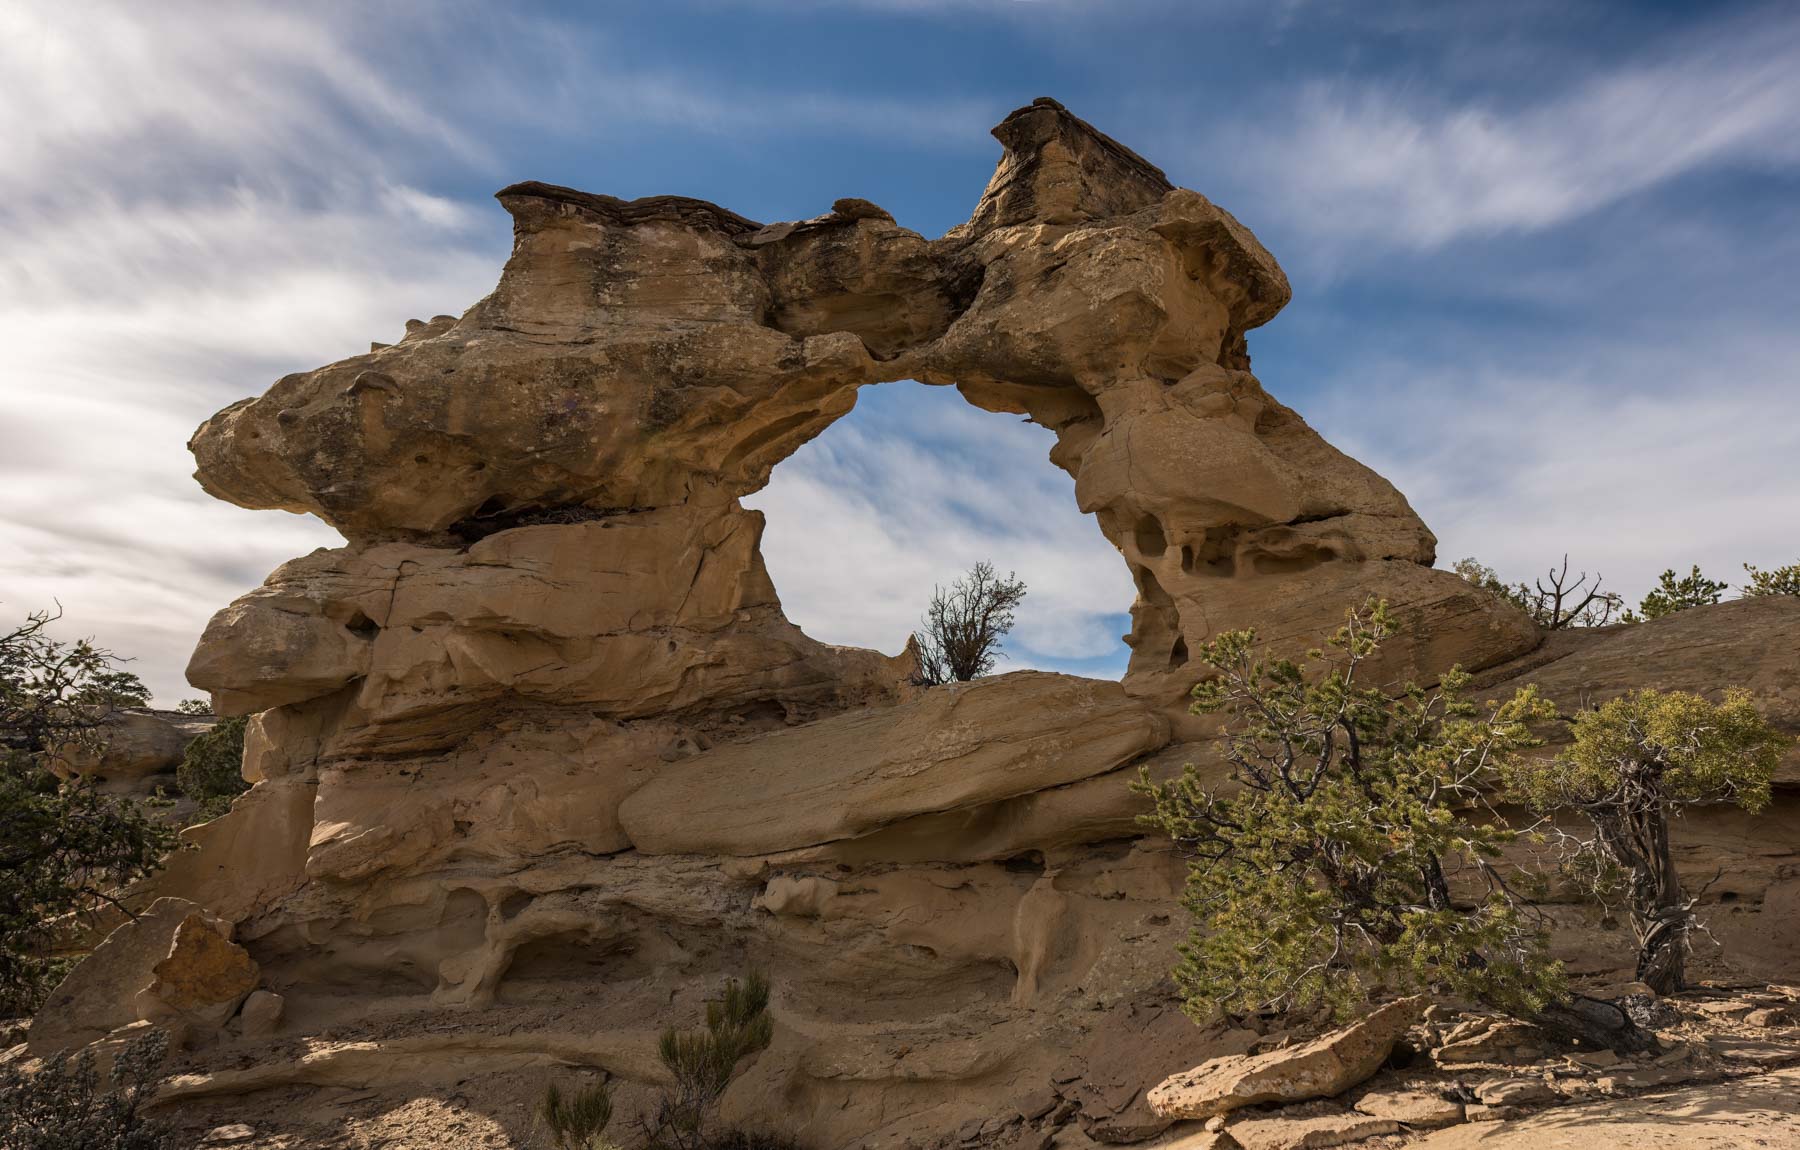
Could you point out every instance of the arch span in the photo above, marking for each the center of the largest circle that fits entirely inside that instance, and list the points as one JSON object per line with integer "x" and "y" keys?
{"x": 643, "y": 365}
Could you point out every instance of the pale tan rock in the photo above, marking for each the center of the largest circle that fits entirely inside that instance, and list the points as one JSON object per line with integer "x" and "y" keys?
{"x": 1515, "y": 1092}
{"x": 131, "y": 747}
{"x": 1417, "y": 1109}
{"x": 957, "y": 745}
{"x": 1323, "y": 1067}
{"x": 202, "y": 980}
{"x": 1308, "y": 1126}
{"x": 261, "y": 1014}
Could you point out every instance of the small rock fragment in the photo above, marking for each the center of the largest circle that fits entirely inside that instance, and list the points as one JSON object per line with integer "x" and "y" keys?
{"x": 261, "y": 1015}
{"x": 1515, "y": 1092}
{"x": 1308, "y": 1126}
{"x": 225, "y": 1135}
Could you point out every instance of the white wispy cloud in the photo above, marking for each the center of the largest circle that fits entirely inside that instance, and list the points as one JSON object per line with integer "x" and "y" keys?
{"x": 1518, "y": 468}
{"x": 1374, "y": 159}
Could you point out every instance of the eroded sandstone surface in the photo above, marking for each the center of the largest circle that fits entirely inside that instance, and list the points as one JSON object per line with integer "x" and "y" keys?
{"x": 538, "y": 760}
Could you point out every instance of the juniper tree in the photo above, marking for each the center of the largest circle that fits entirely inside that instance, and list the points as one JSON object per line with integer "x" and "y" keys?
{"x": 1673, "y": 593}
{"x": 1324, "y": 869}
{"x": 964, "y": 625}
{"x": 64, "y": 847}
{"x": 212, "y": 768}
{"x": 1780, "y": 581}
{"x": 1636, "y": 761}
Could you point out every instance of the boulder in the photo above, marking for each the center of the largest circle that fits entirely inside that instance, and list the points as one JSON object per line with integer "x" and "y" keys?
{"x": 261, "y": 1014}
{"x": 99, "y": 995}
{"x": 1327, "y": 1065}
{"x": 203, "y": 978}
{"x": 133, "y": 745}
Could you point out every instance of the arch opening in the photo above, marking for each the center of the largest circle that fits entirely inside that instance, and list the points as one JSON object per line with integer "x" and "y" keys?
{"x": 908, "y": 491}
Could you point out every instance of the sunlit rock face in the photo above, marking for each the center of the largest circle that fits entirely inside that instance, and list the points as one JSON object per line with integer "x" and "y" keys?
{"x": 540, "y": 746}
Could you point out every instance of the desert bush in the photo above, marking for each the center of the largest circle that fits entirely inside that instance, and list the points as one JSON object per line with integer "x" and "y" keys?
{"x": 64, "y": 847}
{"x": 212, "y": 769}
{"x": 61, "y": 1106}
{"x": 576, "y": 1121}
{"x": 1560, "y": 604}
{"x": 1780, "y": 581}
{"x": 1636, "y": 761}
{"x": 701, "y": 1062}
{"x": 1326, "y": 872}
{"x": 1674, "y": 593}
{"x": 964, "y": 625}
{"x": 194, "y": 707}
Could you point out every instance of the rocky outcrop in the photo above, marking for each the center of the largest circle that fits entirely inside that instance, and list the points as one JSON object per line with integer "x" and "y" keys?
{"x": 538, "y": 761}
{"x": 133, "y": 749}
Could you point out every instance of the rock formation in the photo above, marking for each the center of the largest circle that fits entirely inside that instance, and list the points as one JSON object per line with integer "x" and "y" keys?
{"x": 539, "y": 747}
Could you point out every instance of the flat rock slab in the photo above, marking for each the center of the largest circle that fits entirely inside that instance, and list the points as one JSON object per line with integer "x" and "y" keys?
{"x": 1318, "y": 1069}
{"x": 1309, "y": 1127}
{"x": 1419, "y": 1109}
{"x": 955, "y": 745}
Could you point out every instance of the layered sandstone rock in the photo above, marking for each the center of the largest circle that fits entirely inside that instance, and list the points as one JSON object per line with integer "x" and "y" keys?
{"x": 538, "y": 746}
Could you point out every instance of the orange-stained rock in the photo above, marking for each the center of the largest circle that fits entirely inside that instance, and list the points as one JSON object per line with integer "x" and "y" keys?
{"x": 202, "y": 980}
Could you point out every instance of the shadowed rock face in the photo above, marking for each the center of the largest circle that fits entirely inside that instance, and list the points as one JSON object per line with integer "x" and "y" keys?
{"x": 540, "y": 746}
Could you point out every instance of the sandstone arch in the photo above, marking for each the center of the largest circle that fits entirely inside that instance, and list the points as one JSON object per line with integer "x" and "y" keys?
{"x": 642, "y": 365}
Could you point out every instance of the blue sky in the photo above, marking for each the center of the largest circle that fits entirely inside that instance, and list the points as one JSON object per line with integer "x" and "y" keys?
{"x": 1543, "y": 259}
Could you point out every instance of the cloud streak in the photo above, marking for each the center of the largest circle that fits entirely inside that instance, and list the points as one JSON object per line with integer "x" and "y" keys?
{"x": 1371, "y": 160}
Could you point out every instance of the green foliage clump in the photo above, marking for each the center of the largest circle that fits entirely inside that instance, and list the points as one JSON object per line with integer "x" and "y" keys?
{"x": 111, "y": 688}
{"x": 64, "y": 847}
{"x": 1323, "y": 872}
{"x": 1780, "y": 581}
{"x": 964, "y": 625}
{"x": 212, "y": 769}
{"x": 1636, "y": 761}
{"x": 1672, "y": 594}
{"x": 194, "y": 707}
{"x": 701, "y": 1062}
{"x": 576, "y": 1121}
{"x": 61, "y": 1106}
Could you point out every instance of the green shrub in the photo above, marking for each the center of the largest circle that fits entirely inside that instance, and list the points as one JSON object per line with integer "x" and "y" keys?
{"x": 212, "y": 771}
{"x": 701, "y": 1062}
{"x": 65, "y": 848}
{"x": 576, "y": 1121}
{"x": 1780, "y": 581}
{"x": 1324, "y": 874}
{"x": 61, "y": 1107}
{"x": 1672, "y": 594}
